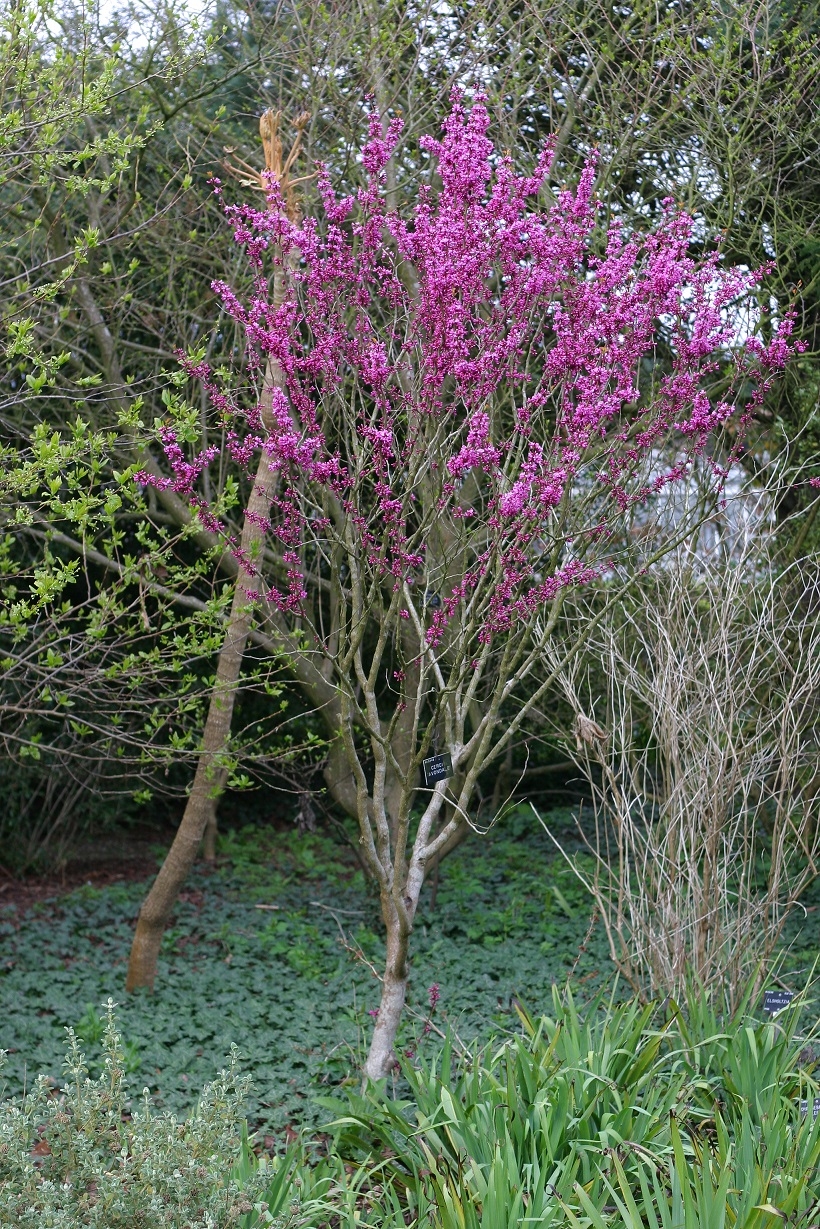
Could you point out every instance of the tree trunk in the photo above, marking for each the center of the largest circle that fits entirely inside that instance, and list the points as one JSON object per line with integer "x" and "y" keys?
{"x": 212, "y": 822}
{"x": 160, "y": 901}
{"x": 381, "y": 1058}
{"x": 210, "y": 833}
{"x": 210, "y": 775}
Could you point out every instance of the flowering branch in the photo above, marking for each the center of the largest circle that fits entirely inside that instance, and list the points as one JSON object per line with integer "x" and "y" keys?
{"x": 451, "y": 459}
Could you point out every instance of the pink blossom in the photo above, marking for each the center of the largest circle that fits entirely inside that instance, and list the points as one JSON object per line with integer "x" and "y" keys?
{"x": 478, "y": 452}
{"x": 494, "y": 385}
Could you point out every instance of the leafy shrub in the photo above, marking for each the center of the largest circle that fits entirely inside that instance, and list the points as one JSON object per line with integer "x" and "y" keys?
{"x": 625, "y": 1117}
{"x": 80, "y": 1158}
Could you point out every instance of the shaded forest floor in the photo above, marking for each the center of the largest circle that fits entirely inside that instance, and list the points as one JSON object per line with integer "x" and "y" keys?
{"x": 112, "y": 858}
{"x": 271, "y": 949}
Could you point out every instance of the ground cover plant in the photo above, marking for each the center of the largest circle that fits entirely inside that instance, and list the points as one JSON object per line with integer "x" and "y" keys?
{"x": 508, "y": 920}
{"x": 617, "y": 1114}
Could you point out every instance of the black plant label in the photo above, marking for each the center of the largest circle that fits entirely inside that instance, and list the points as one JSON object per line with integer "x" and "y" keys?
{"x": 437, "y": 768}
{"x": 776, "y": 1000}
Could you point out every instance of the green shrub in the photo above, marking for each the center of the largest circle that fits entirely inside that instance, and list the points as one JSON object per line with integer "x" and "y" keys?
{"x": 629, "y": 1115}
{"x": 80, "y": 1157}
{"x": 331, "y": 1193}
{"x": 621, "y": 1116}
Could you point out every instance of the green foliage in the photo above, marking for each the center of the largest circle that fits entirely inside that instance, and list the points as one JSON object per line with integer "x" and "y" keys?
{"x": 502, "y": 1130}
{"x": 618, "y": 1116}
{"x": 87, "y": 1157}
{"x": 278, "y": 981}
{"x": 111, "y": 611}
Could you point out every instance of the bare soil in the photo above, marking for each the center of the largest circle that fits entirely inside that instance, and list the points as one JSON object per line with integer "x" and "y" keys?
{"x": 118, "y": 857}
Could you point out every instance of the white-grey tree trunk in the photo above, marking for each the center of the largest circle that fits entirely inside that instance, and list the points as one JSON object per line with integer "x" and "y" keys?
{"x": 381, "y": 1058}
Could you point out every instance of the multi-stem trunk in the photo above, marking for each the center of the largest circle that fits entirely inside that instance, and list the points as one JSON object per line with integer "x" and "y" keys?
{"x": 210, "y": 773}
{"x": 401, "y": 885}
{"x": 401, "y": 873}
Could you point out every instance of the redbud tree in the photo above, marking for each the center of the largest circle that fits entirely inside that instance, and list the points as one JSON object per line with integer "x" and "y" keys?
{"x": 461, "y": 411}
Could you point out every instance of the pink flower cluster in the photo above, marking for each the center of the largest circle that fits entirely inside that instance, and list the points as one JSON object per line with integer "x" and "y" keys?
{"x": 492, "y": 337}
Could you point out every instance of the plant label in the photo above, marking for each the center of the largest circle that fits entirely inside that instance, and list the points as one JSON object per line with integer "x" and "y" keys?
{"x": 804, "y": 1109}
{"x": 776, "y": 1000}
{"x": 437, "y": 768}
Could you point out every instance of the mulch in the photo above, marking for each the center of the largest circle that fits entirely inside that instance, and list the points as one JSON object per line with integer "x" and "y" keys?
{"x": 124, "y": 859}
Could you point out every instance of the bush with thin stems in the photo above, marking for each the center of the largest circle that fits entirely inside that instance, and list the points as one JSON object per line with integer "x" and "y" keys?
{"x": 697, "y": 732}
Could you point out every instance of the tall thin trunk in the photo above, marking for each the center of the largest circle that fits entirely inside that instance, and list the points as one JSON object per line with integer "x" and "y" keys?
{"x": 209, "y": 778}
{"x": 210, "y": 834}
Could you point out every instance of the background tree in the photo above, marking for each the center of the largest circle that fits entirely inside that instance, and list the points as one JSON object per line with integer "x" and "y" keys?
{"x": 716, "y": 105}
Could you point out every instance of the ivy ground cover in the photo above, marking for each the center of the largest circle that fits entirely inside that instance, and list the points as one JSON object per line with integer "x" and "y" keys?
{"x": 271, "y": 951}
